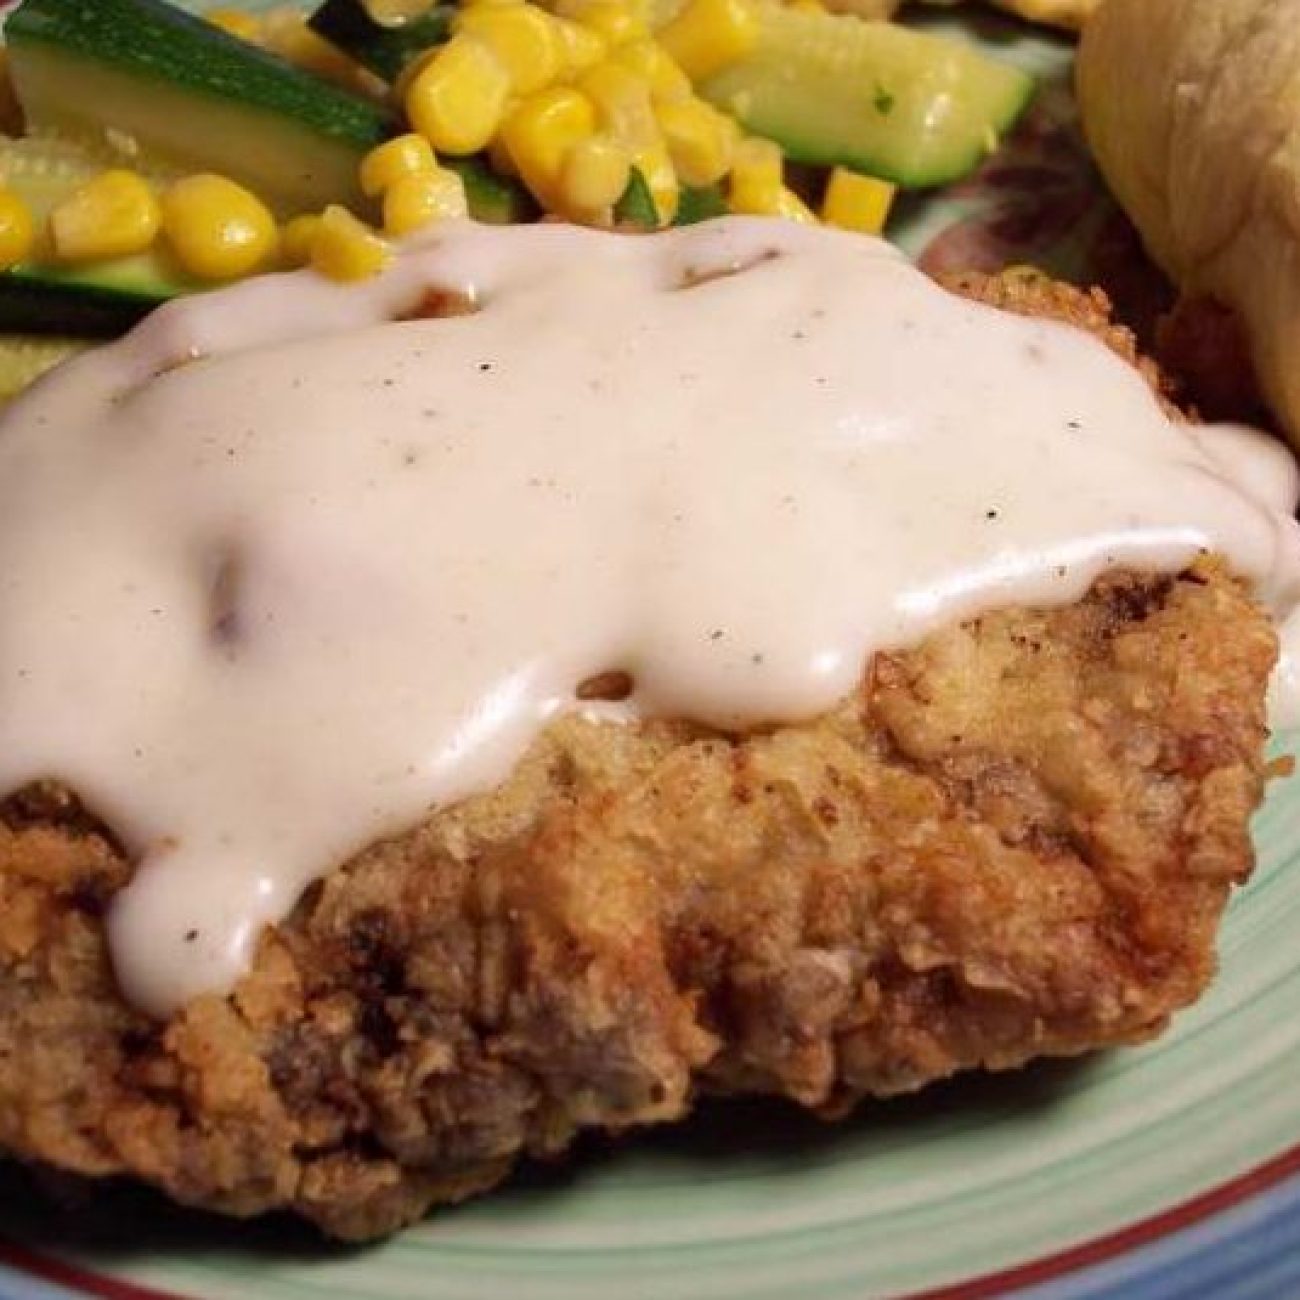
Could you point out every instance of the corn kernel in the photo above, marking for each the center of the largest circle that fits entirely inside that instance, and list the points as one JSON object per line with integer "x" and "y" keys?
{"x": 583, "y": 47}
{"x": 285, "y": 31}
{"x": 457, "y": 101}
{"x": 412, "y": 69}
{"x": 217, "y": 229}
{"x": 710, "y": 34}
{"x": 615, "y": 21}
{"x": 17, "y": 230}
{"x": 757, "y": 163}
{"x": 540, "y": 133}
{"x": 523, "y": 37}
{"x": 701, "y": 141}
{"x": 768, "y": 201}
{"x": 113, "y": 215}
{"x": 855, "y": 202}
{"x": 296, "y": 239}
{"x": 416, "y": 200}
{"x": 651, "y": 61}
{"x": 622, "y": 101}
{"x": 346, "y": 249}
{"x": 236, "y": 22}
{"x": 756, "y": 185}
{"x": 594, "y": 175}
{"x": 807, "y": 6}
{"x": 384, "y": 165}
{"x": 653, "y": 162}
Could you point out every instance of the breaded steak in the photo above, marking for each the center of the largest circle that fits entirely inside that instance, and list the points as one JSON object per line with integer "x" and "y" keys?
{"x": 1013, "y": 841}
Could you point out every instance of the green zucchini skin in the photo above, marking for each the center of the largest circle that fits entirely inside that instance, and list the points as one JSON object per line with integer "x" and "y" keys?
{"x": 884, "y": 99}
{"x": 385, "y": 51}
{"x": 192, "y": 95}
{"x": 699, "y": 203}
{"x": 493, "y": 199}
{"x": 637, "y": 206}
{"x": 32, "y": 303}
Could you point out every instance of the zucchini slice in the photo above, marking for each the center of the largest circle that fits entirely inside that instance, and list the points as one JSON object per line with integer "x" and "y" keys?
{"x": 699, "y": 203}
{"x": 193, "y": 96}
{"x": 835, "y": 90}
{"x": 384, "y": 48}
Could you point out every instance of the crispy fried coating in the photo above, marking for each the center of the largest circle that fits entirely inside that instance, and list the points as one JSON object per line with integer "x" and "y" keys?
{"x": 1013, "y": 841}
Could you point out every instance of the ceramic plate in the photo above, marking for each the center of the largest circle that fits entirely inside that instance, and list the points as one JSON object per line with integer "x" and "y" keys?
{"x": 1167, "y": 1171}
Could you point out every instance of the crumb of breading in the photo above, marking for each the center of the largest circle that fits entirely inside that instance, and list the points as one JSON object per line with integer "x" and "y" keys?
{"x": 1014, "y": 841}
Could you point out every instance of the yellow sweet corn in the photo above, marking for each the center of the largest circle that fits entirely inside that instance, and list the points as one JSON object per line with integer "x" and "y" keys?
{"x": 17, "y": 230}
{"x": 113, "y": 215}
{"x": 653, "y": 162}
{"x": 707, "y": 35}
{"x": 622, "y": 101}
{"x": 757, "y": 187}
{"x": 855, "y": 202}
{"x": 346, "y": 249}
{"x": 404, "y": 155}
{"x": 296, "y": 239}
{"x": 582, "y": 46}
{"x": 237, "y": 22}
{"x": 523, "y": 37}
{"x": 701, "y": 141}
{"x": 593, "y": 177}
{"x": 769, "y": 201}
{"x": 615, "y": 21}
{"x": 540, "y": 133}
{"x": 217, "y": 229}
{"x": 422, "y": 197}
{"x": 285, "y": 31}
{"x": 790, "y": 206}
{"x": 458, "y": 99}
{"x": 757, "y": 163}
{"x": 624, "y": 110}
{"x": 667, "y": 82}
{"x": 412, "y": 69}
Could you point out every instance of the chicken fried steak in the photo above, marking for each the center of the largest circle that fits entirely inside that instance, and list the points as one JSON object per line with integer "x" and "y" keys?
{"x": 1015, "y": 840}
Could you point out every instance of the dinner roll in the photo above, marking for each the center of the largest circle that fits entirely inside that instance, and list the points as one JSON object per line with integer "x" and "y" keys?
{"x": 1192, "y": 108}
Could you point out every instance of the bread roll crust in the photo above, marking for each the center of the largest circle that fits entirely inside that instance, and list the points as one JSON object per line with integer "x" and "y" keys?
{"x": 1192, "y": 109}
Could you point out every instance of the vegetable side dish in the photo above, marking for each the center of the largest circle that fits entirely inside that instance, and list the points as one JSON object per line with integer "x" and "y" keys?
{"x": 161, "y": 153}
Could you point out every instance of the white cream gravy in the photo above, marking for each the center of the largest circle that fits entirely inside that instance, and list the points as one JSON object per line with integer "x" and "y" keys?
{"x": 280, "y": 574}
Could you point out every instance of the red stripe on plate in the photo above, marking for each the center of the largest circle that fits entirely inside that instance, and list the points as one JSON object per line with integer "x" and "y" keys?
{"x": 54, "y": 1270}
{"x": 988, "y": 1287}
{"x": 1142, "y": 1233}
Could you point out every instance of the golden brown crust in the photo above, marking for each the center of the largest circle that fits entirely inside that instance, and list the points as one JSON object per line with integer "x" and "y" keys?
{"x": 1014, "y": 841}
